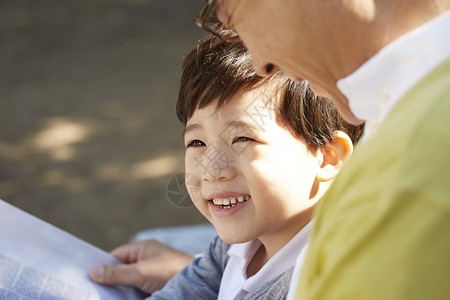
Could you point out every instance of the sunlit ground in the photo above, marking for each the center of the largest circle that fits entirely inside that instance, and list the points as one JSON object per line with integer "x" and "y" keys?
{"x": 89, "y": 138}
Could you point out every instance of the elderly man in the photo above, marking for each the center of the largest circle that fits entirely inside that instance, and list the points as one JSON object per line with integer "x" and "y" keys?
{"x": 383, "y": 230}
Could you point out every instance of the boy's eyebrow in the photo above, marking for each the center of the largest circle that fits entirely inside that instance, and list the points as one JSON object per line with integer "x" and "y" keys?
{"x": 236, "y": 123}
{"x": 244, "y": 125}
{"x": 192, "y": 127}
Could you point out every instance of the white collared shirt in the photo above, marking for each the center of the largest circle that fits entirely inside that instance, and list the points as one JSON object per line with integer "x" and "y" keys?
{"x": 235, "y": 284}
{"x": 374, "y": 88}
{"x": 296, "y": 274}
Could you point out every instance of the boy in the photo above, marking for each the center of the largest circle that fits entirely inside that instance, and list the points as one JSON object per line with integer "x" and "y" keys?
{"x": 260, "y": 152}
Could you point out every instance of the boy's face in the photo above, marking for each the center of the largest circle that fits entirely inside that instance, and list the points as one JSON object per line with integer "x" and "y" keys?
{"x": 250, "y": 177}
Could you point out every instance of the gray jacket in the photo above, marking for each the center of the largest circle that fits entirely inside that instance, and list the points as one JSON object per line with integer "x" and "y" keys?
{"x": 200, "y": 280}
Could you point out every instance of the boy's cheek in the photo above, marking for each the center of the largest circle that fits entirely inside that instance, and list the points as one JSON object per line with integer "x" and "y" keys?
{"x": 193, "y": 187}
{"x": 189, "y": 164}
{"x": 195, "y": 194}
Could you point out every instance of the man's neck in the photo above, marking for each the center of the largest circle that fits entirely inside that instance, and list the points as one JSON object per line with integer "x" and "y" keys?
{"x": 393, "y": 19}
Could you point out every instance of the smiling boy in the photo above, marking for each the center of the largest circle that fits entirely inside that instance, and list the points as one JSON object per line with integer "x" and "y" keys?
{"x": 260, "y": 152}
{"x": 249, "y": 196}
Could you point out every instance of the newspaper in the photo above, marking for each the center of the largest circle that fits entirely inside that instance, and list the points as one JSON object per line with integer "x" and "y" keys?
{"x": 41, "y": 261}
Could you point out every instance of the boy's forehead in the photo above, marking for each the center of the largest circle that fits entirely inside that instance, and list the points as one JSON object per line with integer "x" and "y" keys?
{"x": 248, "y": 101}
{"x": 247, "y": 110}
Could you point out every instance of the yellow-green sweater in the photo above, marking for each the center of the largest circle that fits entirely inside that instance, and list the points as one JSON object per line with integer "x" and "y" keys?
{"x": 382, "y": 231}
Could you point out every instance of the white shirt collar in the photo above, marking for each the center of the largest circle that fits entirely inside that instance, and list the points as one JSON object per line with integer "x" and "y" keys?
{"x": 374, "y": 88}
{"x": 235, "y": 283}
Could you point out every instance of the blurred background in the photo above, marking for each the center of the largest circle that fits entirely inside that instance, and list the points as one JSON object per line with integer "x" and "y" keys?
{"x": 89, "y": 139}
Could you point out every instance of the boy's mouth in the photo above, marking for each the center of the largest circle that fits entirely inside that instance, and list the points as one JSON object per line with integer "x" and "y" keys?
{"x": 229, "y": 202}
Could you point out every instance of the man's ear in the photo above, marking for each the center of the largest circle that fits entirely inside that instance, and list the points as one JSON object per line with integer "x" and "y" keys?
{"x": 334, "y": 154}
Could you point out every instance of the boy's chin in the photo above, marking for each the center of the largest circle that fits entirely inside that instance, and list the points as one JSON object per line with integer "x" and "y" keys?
{"x": 232, "y": 238}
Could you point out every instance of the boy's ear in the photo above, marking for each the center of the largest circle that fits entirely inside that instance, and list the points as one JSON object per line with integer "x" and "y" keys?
{"x": 334, "y": 154}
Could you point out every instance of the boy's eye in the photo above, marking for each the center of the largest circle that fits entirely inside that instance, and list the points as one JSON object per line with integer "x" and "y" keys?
{"x": 242, "y": 139}
{"x": 196, "y": 143}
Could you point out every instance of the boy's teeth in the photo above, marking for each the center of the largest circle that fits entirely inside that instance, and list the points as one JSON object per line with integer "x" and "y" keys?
{"x": 230, "y": 201}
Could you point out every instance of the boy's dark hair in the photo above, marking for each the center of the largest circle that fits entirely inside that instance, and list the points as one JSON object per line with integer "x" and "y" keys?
{"x": 215, "y": 69}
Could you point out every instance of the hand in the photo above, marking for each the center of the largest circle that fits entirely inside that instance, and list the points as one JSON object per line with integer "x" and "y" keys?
{"x": 148, "y": 265}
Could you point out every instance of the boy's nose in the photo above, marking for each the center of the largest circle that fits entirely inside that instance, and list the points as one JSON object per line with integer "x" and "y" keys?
{"x": 220, "y": 167}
